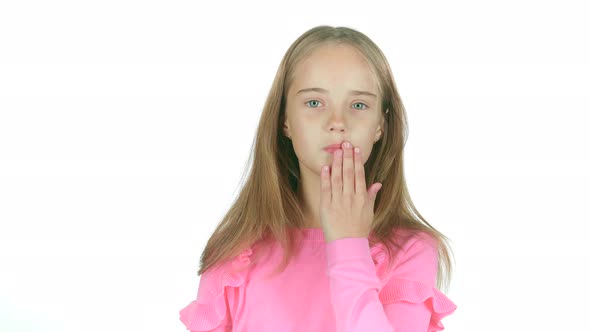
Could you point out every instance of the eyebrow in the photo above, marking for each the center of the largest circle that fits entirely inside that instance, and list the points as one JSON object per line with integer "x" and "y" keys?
{"x": 352, "y": 92}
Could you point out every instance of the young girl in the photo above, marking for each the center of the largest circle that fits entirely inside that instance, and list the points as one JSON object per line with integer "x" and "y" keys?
{"x": 353, "y": 257}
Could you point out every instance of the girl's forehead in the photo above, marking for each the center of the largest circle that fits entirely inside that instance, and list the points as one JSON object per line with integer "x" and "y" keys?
{"x": 334, "y": 68}
{"x": 326, "y": 81}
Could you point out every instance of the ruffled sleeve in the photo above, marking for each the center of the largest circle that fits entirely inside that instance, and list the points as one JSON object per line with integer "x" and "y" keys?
{"x": 210, "y": 311}
{"x": 409, "y": 295}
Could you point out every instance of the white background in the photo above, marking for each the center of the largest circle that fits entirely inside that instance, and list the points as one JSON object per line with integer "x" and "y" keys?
{"x": 125, "y": 128}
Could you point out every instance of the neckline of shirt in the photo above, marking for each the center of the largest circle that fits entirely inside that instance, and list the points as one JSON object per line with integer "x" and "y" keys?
{"x": 315, "y": 234}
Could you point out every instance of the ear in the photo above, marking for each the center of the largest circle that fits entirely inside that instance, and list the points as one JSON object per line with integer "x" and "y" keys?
{"x": 286, "y": 130}
{"x": 379, "y": 130}
{"x": 377, "y": 134}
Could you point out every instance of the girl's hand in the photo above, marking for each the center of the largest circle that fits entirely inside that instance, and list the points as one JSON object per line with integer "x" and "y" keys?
{"x": 346, "y": 207}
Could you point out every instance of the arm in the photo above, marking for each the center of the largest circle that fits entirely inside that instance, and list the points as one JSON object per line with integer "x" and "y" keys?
{"x": 359, "y": 301}
{"x": 354, "y": 287}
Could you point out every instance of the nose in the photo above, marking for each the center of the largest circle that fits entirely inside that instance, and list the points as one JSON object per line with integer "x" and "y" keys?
{"x": 337, "y": 129}
{"x": 336, "y": 122}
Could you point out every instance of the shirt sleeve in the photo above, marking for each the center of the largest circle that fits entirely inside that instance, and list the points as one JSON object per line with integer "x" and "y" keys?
{"x": 210, "y": 310}
{"x": 217, "y": 296}
{"x": 358, "y": 302}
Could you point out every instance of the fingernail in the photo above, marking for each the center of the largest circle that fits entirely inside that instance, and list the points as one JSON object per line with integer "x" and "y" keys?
{"x": 346, "y": 145}
{"x": 357, "y": 150}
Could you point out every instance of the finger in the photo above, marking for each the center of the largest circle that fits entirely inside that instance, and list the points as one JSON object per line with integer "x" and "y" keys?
{"x": 359, "y": 171}
{"x": 348, "y": 172}
{"x": 336, "y": 175}
{"x": 325, "y": 187}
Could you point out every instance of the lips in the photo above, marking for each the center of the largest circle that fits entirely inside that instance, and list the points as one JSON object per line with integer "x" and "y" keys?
{"x": 332, "y": 147}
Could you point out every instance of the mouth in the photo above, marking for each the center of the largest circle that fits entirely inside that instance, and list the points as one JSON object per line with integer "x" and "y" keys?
{"x": 331, "y": 149}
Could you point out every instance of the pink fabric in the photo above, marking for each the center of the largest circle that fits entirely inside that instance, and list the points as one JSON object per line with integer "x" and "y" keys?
{"x": 339, "y": 286}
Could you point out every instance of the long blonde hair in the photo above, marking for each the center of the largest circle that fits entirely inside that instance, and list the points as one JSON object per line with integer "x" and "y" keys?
{"x": 267, "y": 206}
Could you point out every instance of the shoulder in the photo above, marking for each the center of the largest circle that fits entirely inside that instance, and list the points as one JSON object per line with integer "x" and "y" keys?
{"x": 410, "y": 238}
{"x": 414, "y": 256}
{"x": 419, "y": 242}
{"x": 419, "y": 252}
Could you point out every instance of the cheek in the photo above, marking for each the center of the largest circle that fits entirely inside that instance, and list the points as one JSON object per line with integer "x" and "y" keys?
{"x": 304, "y": 132}
{"x": 364, "y": 153}
{"x": 366, "y": 145}
{"x": 306, "y": 142}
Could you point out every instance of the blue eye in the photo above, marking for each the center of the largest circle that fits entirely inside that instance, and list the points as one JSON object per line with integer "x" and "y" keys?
{"x": 314, "y": 100}
{"x": 362, "y": 104}
{"x": 311, "y": 101}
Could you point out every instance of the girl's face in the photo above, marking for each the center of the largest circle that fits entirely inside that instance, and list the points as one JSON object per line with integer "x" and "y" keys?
{"x": 334, "y": 112}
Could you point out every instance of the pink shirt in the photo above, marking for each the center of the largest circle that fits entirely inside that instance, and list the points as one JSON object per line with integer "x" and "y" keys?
{"x": 339, "y": 286}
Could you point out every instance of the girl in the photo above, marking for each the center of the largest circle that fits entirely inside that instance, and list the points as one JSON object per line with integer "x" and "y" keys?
{"x": 352, "y": 257}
